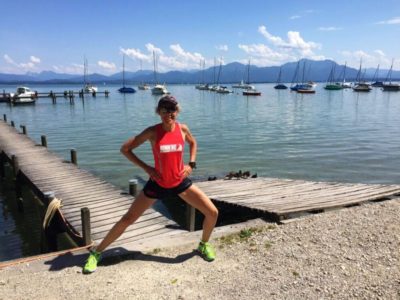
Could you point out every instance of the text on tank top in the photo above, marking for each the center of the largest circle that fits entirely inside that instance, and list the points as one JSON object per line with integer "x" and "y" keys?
{"x": 168, "y": 156}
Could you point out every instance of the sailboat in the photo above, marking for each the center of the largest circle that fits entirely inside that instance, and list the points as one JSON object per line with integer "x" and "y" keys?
{"x": 344, "y": 84}
{"x": 251, "y": 91}
{"x": 361, "y": 85}
{"x": 202, "y": 86}
{"x": 390, "y": 87}
{"x": 305, "y": 88}
{"x": 375, "y": 81}
{"x": 125, "y": 89}
{"x": 279, "y": 85}
{"x": 143, "y": 86}
{"x": 331, "y": 85}
{"x": 158, "y": 89}
{"x": 88, "y": 88}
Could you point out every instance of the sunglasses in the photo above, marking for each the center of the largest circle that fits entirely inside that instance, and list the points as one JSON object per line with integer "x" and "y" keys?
{"x": 165, "y": 110}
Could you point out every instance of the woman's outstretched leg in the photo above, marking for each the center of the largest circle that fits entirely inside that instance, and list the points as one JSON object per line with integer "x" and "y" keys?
{"x": 138, "y": 207}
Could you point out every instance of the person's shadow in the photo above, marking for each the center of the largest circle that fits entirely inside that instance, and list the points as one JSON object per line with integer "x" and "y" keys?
{"x": 113, "y": 257}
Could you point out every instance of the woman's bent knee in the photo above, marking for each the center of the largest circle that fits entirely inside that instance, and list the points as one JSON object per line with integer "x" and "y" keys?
{"x": 213, "y": 213}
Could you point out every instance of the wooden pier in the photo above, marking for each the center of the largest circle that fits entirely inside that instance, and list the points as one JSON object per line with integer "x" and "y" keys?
{"x": 280, "y": 199}
{"x": 44, "y": 171}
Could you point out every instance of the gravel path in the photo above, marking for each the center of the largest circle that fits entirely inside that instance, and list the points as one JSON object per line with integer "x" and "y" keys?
{"x": 351, "y": 253}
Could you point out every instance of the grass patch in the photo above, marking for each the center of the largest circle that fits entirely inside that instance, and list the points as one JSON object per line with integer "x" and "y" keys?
{"x": 156, "y": 251}
{"x": 242, "y": 236}
{"x": 268, "y": 245}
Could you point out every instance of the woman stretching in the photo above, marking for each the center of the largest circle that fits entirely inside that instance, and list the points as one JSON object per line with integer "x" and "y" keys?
{"x": 168, "y": 177}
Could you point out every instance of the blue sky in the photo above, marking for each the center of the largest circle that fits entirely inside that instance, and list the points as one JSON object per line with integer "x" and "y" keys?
{"x": 55, "y": 35}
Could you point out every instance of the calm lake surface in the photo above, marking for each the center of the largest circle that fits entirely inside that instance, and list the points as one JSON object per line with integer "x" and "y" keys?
{"x": 340, "y": 136}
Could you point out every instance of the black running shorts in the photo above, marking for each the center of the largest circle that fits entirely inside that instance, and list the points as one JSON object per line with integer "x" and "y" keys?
{"x": 153, "y": 190}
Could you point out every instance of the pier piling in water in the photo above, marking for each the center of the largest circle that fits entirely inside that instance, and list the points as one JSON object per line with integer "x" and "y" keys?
{"x": 133, "y": 187}
{"x": 5, "y": 118}
{"x": 44, "y": 140}
{"x": 15, "y": 165}
{"x": 12, "y": 124}
{"x": 74, "y": 158}
{"x": 85, "y": 217}
{"x": 190, "y": 217}
{"x": 23, "y": 127}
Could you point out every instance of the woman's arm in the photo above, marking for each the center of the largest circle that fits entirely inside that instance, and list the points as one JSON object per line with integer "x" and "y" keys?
{"x": 189, "y": 138}
{"x": 126, "y": 149}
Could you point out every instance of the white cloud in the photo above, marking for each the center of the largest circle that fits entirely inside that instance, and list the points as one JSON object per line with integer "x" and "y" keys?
{"x": 331, "y": 28}
{"x": 281, "y": 50}
{"x": 369, "y": 60}
{"x": 179, "y": 59}
{"x": 222, "y": 48}
{"x": 35, "y": 59}
{"x": 107, "y": 65}
{"x": 22, "y": 67}
{"x": 294, "y": 42}
{"x": 72, "y": 69}
{"x": 294, "y": 17}
{"x": 8, "y": 59}
{"x": 392, "y": 21}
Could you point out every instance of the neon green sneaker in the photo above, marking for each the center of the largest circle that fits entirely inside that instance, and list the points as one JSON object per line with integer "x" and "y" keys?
{"x": 91, "y": 262}
{"x": 206, "y": 251}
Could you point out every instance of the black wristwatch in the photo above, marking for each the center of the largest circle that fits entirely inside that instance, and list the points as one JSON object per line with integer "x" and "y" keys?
{"x": 192, "y": 164}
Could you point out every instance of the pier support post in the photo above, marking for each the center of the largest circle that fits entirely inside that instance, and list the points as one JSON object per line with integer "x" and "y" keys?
{"x": 44, "y": 140}
{"x": 5, "y": 118}
{"x": 106, "y": 92}
{"x": 94, "y": 94}
{"x": 190, "y": 217}
{"x": 23, "y": 129}
{"x": 133, "y": 187}
{"x": 85, "y": 216}
{"x": 74, "y": 158}
{"x": 15, "y": 165}
{"x": 17, "y": 182}
{"x": 18, "y": 193}
{"x": 2, "y": 165}
{"x": 12, "y": 124}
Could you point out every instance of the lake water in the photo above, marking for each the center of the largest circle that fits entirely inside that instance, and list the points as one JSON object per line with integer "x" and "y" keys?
{"x": 340, "y": 136}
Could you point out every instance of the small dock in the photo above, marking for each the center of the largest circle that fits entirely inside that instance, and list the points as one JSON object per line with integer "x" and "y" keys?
{"x": 280, "y": 199}
{"x": 43, "y": 171}
{"x": 70, "y": 94}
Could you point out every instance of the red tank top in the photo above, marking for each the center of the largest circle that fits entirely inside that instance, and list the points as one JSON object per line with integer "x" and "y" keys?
{"x": 168, "y": 156}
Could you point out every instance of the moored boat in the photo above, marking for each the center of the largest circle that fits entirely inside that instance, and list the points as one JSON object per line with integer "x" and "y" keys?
{"x": 279, "y": 85}
{"x": 24, "y": 95}
{"x": 362, "y": 87}
{"x": 124, "y": 89}
{"x": 388, "y": 86}
{"x": 159, "y": 89}
{"x": 331, "y": 85}
{"x": 251, "y": 92}
{"x": 143, "y": 86}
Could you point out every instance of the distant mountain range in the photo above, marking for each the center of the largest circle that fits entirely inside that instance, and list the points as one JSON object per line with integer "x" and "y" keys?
{"x": 230, "y": 73}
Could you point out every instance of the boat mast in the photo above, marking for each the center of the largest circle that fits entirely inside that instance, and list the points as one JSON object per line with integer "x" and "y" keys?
{"x": 155, "y": 71}
{"x": 248, "y": 72}
{"x": 389, "y": 75}
{"x": 376, "y": 75}
{"x": 123, "y": 70}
